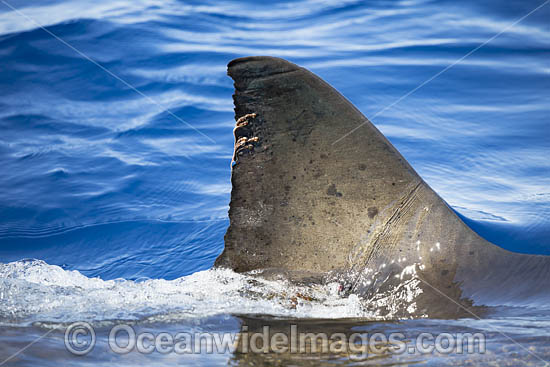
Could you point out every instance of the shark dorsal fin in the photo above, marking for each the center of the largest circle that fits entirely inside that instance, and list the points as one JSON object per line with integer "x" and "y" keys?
{"x": 294, "y": 191}
{"x": 301, "y": 203}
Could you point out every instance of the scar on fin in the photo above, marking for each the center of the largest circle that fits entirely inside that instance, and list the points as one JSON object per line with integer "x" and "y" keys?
{"x": 246, "y": 117}
{"x": 243, "y": 143}
{"x": 242, "y": 122}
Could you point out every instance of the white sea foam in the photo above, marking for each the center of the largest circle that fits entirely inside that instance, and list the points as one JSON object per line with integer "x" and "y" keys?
{"x": 33, "y": 291}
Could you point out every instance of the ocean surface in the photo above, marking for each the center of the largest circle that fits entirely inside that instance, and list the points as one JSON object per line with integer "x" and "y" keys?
{"x": 116, "y": 122}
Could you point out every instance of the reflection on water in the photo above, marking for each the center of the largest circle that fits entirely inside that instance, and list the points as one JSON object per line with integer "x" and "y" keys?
{"x": 528, "y": 347}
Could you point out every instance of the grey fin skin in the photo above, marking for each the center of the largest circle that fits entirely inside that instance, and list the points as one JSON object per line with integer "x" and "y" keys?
{"x": 354, "y": 212}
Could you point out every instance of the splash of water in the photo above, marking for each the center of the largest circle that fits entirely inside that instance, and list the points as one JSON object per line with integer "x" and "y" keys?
{"x": 33, "y": 290}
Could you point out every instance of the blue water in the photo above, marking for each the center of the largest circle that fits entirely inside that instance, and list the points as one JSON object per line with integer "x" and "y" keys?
{"x": 116, "y": 120}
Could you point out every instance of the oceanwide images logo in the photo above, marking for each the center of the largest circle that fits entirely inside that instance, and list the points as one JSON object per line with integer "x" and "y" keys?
{"x": 80, "y": 339}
